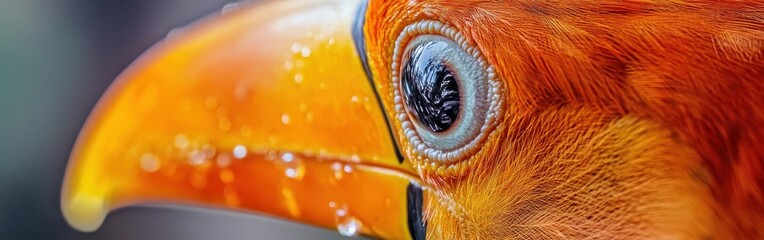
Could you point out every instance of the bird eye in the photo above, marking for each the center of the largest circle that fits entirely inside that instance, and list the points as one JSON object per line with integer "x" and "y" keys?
{"x": 430, "y": 89}
{"x": 446, "y": 95}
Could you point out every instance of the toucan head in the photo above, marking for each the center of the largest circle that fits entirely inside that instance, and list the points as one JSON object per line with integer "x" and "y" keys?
{"x": 407, "y": 119}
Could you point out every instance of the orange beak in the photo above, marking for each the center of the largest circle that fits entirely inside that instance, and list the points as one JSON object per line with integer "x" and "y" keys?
{"x": 266, "y": 108}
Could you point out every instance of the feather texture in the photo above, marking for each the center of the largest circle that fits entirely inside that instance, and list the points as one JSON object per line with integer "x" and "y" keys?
{"x": 625, "y": 119}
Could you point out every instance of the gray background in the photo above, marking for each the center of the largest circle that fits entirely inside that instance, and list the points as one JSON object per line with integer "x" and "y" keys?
{"x": 56, "y": 58}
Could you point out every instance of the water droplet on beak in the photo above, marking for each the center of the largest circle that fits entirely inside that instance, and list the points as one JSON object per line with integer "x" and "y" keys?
{"x": 347, "y": 225}
{"x": 293, "y": 166}
{"x": 239, "y": 151}
{"x": 150, "y": 162}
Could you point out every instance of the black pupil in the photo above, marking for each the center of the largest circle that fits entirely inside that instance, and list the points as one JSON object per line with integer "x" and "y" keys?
{"x": 429, "y": 87}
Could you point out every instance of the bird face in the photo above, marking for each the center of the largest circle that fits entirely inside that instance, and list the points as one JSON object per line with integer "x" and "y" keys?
{"x": 529, "y": 154}
{"x": 438, "y": 119}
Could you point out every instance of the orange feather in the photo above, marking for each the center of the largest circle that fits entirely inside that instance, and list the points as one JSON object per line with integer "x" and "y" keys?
{"x": 627, "y": 119}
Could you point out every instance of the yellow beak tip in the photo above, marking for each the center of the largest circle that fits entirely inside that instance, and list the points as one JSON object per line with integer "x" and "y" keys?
{"x": 85, "y": 213}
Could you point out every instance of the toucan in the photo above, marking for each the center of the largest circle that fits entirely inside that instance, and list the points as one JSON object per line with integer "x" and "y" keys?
{"x": 474, "y": 119}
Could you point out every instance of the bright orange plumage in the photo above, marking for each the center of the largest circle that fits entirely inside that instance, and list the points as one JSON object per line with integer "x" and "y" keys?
{"x": 624, "y": 119}
{"x": 487, "y": 119}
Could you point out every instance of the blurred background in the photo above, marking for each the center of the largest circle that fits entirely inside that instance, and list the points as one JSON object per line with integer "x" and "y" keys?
{"x": 56, "y": 59}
